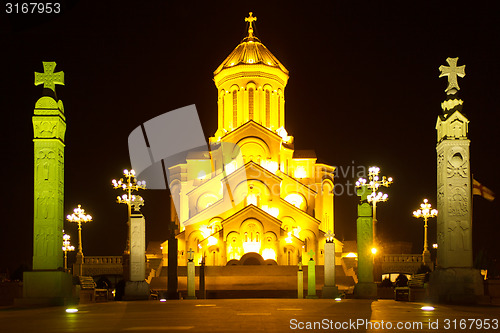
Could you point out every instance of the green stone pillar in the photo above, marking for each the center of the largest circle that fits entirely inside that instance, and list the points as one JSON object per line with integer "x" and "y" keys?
{"x": 365, "y": 288}
{"x": 48, "y": 283}
{"x": 311, "y": 276}
{"x": 49, "y": 127}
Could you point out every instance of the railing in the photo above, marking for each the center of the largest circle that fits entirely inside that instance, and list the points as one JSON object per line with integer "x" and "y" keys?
{"x": 103, "y": 260}
{"x": 410, "y": 258}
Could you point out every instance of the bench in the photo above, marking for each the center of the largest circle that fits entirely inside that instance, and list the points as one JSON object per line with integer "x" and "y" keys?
{"x": 416, "y": 287}
{"x": 87, "y": 289}
{"x": 417, "y": 280}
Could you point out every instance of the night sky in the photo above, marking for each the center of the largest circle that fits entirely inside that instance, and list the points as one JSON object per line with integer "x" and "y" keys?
{"x": 363, "y": 90}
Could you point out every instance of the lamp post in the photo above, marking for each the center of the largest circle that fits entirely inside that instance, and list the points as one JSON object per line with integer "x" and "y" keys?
{"x": 374, "y": 183}
{"x": 425, "y": 212}
{"x": 128, "y": 186}
{"x": 79, "y": 217}
{"x": 66, "y": 248}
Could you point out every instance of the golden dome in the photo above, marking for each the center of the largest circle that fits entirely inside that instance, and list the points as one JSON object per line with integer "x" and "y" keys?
{"x": 251, "y": 51}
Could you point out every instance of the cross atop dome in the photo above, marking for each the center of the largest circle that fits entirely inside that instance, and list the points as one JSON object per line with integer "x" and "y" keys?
{"x": 250, "y": 19}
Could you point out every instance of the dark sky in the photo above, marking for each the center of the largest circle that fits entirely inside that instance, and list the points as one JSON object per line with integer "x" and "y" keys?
{"x": 363, "y": 90}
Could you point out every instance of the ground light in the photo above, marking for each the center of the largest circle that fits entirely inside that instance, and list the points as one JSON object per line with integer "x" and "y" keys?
{"x": 71, "y": 310}
{"x": 163, "y": 300}
{"x": 427, "y": 308}
{"x": 338, "y": 299}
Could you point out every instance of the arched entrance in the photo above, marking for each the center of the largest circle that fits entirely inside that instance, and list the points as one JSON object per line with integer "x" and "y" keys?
{"x": 252, "y": 258}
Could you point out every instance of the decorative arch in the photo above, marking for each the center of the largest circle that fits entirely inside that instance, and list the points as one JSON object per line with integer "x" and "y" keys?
{"x": 327, "y": 205}
{"x": 297, "y": 199}
{"x": 205, "y": 200}
{"x": 288, "y": 223}
{"x": 279, "y": 108}
{"x": 251, "y": 224}
{"x": 251, "y": 231}
{"x": 254, "y": 146}
{"x": 328, "y": 184}
{"x": 269, "y": 246}
{"x": 215, "y": 224}
{"x": 234, "y": 248}
{"x": 310, "y": 243}
{"x": 252, "y": 258}
{"x": 251, "y": 89}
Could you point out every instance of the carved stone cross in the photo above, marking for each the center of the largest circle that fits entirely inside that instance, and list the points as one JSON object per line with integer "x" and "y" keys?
{"x": 311, "y": 254}
{"x": 48, "y": 77}
{"x": 452, "y": 72}
{"x": 190, "y": 253}
{"x": 137, "y": 202}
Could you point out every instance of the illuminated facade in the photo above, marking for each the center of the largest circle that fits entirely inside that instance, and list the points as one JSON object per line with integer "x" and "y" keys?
{"x": 284, "y": 207}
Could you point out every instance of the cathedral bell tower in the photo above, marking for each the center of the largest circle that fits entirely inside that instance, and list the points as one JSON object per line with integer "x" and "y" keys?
{"x": 251, "y": 84}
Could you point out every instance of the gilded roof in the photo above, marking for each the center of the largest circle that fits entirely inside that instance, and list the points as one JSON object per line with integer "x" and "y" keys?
{"x": 250, "y": 51}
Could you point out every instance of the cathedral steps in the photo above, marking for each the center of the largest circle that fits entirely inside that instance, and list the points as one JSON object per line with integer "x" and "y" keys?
{"x": 252, "y": 281}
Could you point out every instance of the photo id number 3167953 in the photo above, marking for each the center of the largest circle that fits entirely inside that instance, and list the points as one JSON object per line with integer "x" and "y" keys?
{"x": 32, "y": 7}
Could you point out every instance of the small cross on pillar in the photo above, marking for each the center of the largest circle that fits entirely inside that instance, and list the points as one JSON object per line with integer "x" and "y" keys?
{"x": 190, "y": 253}
{"x": 329, "y": 236}
{"x": 311, "y": 254}
{"x": 48, "y": 77}
{"x": 137, "y": 202}
{"x": 452, "y": 72}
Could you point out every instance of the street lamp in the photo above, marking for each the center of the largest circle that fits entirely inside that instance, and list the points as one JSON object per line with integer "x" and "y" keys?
{"x": 425, "y": 212}
{"x": 374, "y": 183}
{"x": 66, "y": 248}
{"x": 128, "y": 186}
{"x": 79, "y": 217}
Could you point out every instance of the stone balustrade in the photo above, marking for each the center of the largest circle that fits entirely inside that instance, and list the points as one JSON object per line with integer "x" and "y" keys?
{"x": 102, "y": 260}
{"x": 413, "y": 258}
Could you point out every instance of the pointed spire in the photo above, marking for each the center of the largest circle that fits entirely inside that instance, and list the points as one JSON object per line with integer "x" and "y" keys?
{"x": 250, "y": 19}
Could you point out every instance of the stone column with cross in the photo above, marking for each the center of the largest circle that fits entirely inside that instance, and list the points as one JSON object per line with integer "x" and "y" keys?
{"x": 48, "y": 283}
{"x": 454, "y": 280}
{"x": 330, "y": 290}
{"x": 365, "y": 288}
{"x": 190, "y": 275}
{"x": 137, "y": 288}
{"x": 311, "y": 276}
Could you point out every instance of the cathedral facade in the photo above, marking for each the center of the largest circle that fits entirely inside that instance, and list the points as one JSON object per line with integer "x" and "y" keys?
{"x": 252, "y": 198}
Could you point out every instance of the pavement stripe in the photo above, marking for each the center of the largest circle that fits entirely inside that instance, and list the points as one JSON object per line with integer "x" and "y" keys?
{"x": 289, "y": 309}
{"x": 253, "y": 313}
{"x": 205, "y": 305}
{"x": 158, "y": 328}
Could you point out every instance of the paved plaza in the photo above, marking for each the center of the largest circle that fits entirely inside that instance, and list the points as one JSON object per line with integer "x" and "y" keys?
{"x": 250, "y": 315}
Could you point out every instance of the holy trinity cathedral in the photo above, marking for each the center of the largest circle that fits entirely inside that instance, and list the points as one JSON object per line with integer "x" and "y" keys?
{"x": 279, "y": 204}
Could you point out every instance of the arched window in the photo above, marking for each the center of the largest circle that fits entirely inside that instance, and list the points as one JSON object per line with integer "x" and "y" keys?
{"x": 250, "y": 103}
{"x": 257, "y": 238}
{"x": 246, "y": 236}
{"x": 235, "y": 109}
{"x": 223, "y": 109}
{"x": 279, "y": 111}
{"x": 268, "y": 108}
